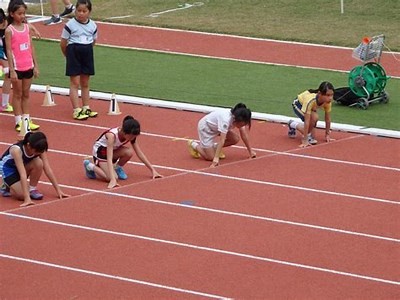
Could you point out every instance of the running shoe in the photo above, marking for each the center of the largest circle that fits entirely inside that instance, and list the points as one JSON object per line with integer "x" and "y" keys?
{"x": 89, "y": 173}
{"x": 311, "y": 140}
{"x": 5, "y": 190}
{"x": 53, "y": 20}
{"x": 292, "y": 131}
{"x": 67, "y": 11}
{"x": 193, "y": 152}
{"x": 121, "y": 173}
{"x": 7, "y": 108}
{"x": 36, "y": 195}
{"x": 79, "y": 115}
{"x": 33, "y": 126}
{"x": 89, "y": 113}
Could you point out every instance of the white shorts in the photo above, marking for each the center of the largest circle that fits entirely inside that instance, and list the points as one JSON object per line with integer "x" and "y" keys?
{"x": 206, "y": 135}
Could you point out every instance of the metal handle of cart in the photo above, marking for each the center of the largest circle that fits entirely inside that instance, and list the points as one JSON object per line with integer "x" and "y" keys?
{"x": 370, "y": 48}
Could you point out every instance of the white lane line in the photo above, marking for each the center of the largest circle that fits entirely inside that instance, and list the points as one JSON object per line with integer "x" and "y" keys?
{"x": 210, "y": 210}
{"x": 109, "y": 276}
{"x": 208, "y": 249}
{"x": 240, "y": 147}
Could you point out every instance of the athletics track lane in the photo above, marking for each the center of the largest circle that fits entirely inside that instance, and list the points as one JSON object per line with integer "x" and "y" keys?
{"x": 231, "y": 47}
{"x": 208, "y": 271}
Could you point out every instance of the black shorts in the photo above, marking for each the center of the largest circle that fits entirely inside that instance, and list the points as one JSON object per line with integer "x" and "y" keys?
{"x": 23, "y": 74}
{"x": 11, "y": 179}
{"x": 80, "y": 60}
{"x": 101, "y": 155}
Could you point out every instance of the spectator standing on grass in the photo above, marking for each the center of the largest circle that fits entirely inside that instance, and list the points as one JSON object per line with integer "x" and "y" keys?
{"x": 21, "y": 60}
{"x": 305, "y": 107}
{"x": 55, "y": 18}
{"x": 113, "y": 149}
{"x": 77, "y": 40}
{"x": 216, "y": 130}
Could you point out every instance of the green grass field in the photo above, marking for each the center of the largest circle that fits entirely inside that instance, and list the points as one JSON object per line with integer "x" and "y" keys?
{"x": 263, "y": 88}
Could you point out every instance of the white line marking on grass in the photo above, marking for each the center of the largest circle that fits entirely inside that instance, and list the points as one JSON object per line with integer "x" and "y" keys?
{"x": 109, "y": 276}
{"x": 208, "y": 249}
{"x": 183, "y": 6}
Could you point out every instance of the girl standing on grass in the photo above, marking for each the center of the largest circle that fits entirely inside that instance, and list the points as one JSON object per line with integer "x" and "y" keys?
{"x": 219, "y": 125}
{"x": 23, "y": 160}
{"x": 305, "y": 107}
{"x": 21, "y": 60}
{"x": 113, "y": 149}
{"x": 77, "y": 40}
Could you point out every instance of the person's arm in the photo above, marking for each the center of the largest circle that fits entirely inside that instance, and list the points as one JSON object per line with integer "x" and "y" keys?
{"x": 245, "y": 138}
{"x": 63, "y": 46}
{"x": 17, "y": 156}
{"x": 218, "y": 150}
{"x": 35, "y": 62}
{"x": 8, "y": 35}
{"x": 328, "y": 126}
{"x": 110, "y": 152}
{"x": 144, "y": 159}
{"x": 33, "y": 31}
{"x": 50, "y": 175}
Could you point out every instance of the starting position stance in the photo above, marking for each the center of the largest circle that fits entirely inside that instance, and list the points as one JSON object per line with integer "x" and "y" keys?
{"x": 216, "y": 131}
{"x": 23, "y": 160}
{"x": 305, "y": 107}
{"x": 113, "y": 149}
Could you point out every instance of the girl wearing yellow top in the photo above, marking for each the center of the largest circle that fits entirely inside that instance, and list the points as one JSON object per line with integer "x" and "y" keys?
{"x": 305, "y": 107}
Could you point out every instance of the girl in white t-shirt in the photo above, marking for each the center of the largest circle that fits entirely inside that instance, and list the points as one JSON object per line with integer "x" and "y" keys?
{"x": 216, "y": 131}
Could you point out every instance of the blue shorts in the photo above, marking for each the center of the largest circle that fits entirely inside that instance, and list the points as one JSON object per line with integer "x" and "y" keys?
{"x": 297, "y": 109}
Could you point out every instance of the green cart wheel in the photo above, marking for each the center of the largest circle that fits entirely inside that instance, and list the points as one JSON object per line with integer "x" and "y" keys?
{"x": 367, "y": 80}
{"x": 379, "y": 74}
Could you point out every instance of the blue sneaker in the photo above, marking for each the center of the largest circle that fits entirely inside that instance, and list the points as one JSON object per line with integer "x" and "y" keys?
{"x": 36, "y": 195}
{"x": 121, "y": 173}
{"x": 89, "y": 174}
{"x": 5, "y": 192}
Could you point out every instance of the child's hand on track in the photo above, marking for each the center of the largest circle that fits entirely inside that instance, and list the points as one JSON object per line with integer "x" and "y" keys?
{"x": 328, "y": 138}
{"x": 63, "y": 195}
{"x": 304, "y": 144}
{"x": 113, "y": 184}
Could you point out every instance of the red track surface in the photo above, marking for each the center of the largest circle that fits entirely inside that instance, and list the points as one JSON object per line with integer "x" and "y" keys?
{"x": 321, "y": 222}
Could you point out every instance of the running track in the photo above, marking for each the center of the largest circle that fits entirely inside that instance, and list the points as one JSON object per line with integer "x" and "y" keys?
{"x": 248, "y": 229}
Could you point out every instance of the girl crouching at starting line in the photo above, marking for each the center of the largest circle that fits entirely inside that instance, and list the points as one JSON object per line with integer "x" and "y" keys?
{"x": 216, "y": 131}
{"x": 23, "y": 160}
{"x": 113, "y": 149}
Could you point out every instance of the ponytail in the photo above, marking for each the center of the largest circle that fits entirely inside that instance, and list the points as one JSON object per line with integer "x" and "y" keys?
{"x": 323, "y": 88}
{"x": 37, "y": 141}
{"x": 130, "y": 125}
{"x": 241, "y": 113}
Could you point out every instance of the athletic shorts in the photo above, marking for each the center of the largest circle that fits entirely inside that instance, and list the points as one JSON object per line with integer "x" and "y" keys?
{"x": 23, "y": 74}
{"x": 101, "y": 155}
{"x": 297, "y": 109}
{"x": 79, "y": 60}
{"x": 11, "y": 179}
{"x": 206, "y": 136}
